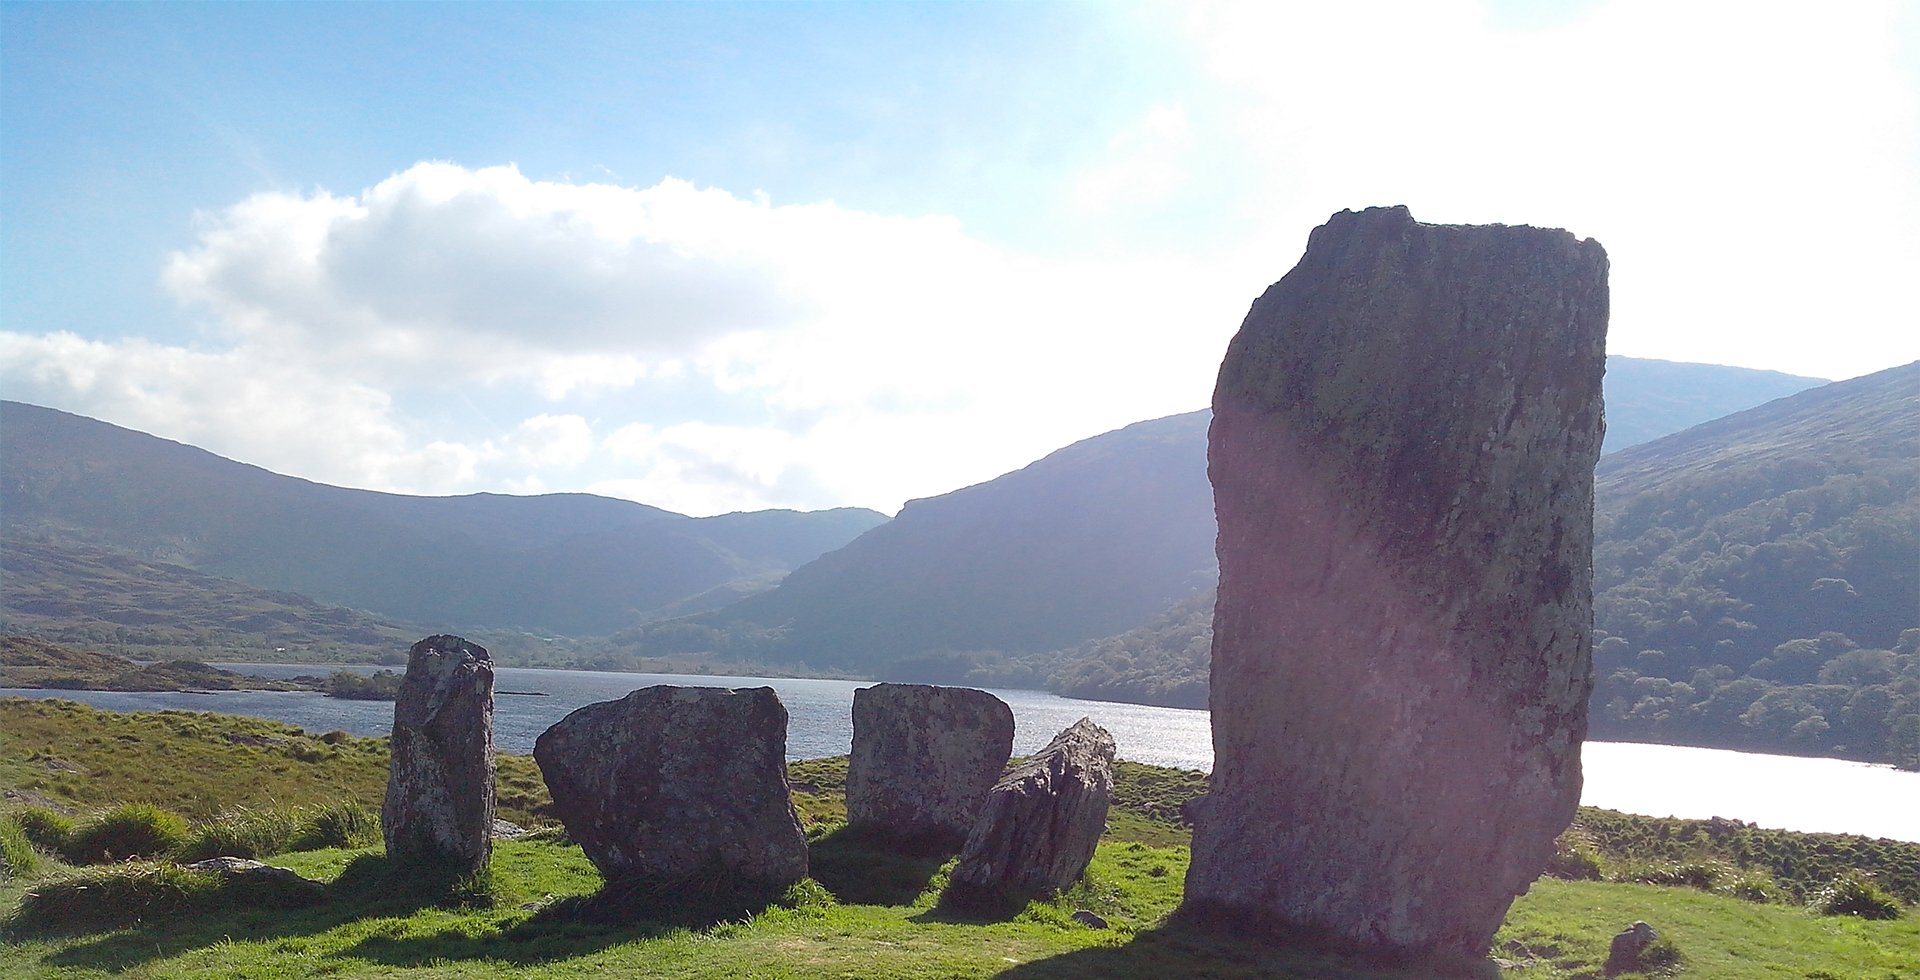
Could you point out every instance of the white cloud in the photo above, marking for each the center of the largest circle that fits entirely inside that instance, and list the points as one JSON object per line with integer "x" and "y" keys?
{"x": 805, "y": 355}
{"x": 1749, "y": 166}
{"x": 1145, "y": 163}
{"x": 553, "y": 441}
{"x": 449, "y": 329}
{"x": 272, "y": 413}
{"x": 486, "y": 273}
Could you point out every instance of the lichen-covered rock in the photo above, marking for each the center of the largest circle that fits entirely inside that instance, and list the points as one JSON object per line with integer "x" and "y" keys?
{"x": 439, "y": 803}
{"x": 1040, "y": 824}
{"x": 669, "y": 783}
{"x": 1402, "y": 455}
{"x": 924, "y": 758}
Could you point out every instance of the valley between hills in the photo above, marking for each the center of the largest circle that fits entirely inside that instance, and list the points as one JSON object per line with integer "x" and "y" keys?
{"x": 1755, "y": 566}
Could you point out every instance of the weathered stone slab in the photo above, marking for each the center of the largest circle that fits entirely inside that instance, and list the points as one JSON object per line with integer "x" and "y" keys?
{"x": 1041, "y": 822}
{"x": 672, "y": 782}
{"x": 1402, "y": 455}
{"x": 924, "y": 758}
{"x": 439, "y": 802}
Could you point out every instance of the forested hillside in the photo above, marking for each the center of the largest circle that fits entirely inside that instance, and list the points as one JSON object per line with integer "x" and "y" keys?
{"x": 1756, "y": 577}
{"x": 1757, "y": 585}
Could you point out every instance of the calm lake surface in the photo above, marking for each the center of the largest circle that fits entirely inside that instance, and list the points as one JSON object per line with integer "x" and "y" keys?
{"x": 1660, "y": 780}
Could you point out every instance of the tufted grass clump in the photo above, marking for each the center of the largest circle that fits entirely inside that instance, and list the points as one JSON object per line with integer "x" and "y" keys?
{"x": 246, "y": 832}
{"x": 131, "y": 830}
{"x": 1703, "y": 875}
{"x": 1856, "y": 894}
{"x": 1752, "y": 885}
{"x": 1575, "y": 859}
{"x": 135, "y": 892}
{"x": 1660, "y": 957}
{"x": 258, "y": 832}
{"x": 342, "y": 824}
{"x": 18, "y": 859}
{"x": 46, "y": 829}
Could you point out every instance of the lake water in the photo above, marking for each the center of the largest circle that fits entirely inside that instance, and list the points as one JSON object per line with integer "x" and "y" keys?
{"x": 1660, "y": 780}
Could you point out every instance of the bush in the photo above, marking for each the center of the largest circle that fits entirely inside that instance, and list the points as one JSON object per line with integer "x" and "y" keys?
{"x": 1856, "y": 894}
{"x": 18, "y": 859}
{"x": 45, "y": 829}
{"x": 131, "y": 830}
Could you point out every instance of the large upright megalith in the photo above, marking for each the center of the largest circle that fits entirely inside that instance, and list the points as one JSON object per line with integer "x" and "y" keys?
{"x": 676, "y": 784}
{"x": 1402, "y": 455}
{"x": 439, "y": 803}
{"x": 924, "y": 758}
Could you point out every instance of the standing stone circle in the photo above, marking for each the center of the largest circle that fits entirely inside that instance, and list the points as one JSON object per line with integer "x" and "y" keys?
{"x": 1041, "y": 822}
{"x": 439, "y": 803}
{"x": 1402, "y": 453}
{"x": 924, "y": 758}
{"x": 669, "y": 783}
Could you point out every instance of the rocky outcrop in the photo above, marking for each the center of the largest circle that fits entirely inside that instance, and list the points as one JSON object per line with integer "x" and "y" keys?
{"x": 669, "y": 783}
{"x": 924, "y": 758}
{"x": 439, "y": 803}
{"x": 1402, "y": 455}
{"x": 1040, "y": 824}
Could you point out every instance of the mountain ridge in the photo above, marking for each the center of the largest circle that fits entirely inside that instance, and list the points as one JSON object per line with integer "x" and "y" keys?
{"x": 570, "y": 563}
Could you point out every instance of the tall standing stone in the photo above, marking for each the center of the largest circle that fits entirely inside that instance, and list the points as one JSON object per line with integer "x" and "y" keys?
{"x": 1402, "y": 455}
{"x": 1041, "y": 822}
{"x": 924, "y": 758}
{"x": 439, "y": 803}
{"x": 670, "y": 782}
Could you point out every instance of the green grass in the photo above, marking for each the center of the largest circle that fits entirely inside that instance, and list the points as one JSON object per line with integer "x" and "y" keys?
{"x": 371, "y": 925}
{"x": 868, "y": 911}
{"x": 77, "y": 760}
{"x": 1562, "y": 929}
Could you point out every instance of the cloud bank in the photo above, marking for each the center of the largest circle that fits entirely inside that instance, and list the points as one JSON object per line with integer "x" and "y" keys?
{"x": 453, "y": 329}
{"x": 1749, "y": 167}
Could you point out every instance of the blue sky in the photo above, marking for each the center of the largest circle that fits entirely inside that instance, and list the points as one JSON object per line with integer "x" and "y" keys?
{"x": 723, "y": 256}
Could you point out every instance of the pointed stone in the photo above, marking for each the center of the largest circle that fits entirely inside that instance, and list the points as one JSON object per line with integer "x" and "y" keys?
{"x": 1402, "y": 453}
{"x": 1041, "y": 823}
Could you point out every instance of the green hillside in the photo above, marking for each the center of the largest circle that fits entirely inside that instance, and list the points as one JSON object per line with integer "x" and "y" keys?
{"x": 90, "y": 595}
{"x": 91, "y": 493}
{"x": 1087, "y": 541}
{"x": 1101, "y": 536}
{"x": 1757, "y": 581}
{"x": 1756, "y": 577}
{"x": 1647, "y": 399}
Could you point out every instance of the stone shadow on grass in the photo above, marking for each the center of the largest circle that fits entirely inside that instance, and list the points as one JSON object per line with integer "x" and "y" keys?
{"x": 620, "y": 912}
{"x": 1193, "y": 946}
{"x": 869, "y": 866}
{"x": 369, "y": 886}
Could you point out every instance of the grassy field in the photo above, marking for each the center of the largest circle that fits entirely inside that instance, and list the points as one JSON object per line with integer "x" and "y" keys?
{"x": 866, "y": 912}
